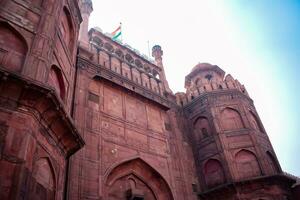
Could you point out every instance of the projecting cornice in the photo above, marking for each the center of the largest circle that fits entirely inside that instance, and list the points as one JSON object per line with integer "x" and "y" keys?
{"x": 40, "y": 101}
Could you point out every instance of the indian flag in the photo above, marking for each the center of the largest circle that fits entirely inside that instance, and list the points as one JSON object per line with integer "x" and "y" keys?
{"x": 117, "y": 33}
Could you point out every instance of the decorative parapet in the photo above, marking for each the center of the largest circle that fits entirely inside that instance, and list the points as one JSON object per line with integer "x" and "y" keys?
{"x": 157, "y": 96}
{"x": 228, "y": 83}
{"x": 123, "y": 52}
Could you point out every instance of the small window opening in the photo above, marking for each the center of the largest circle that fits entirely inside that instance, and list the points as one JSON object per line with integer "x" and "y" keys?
{"x": 192, "y": 97}
{"x": 93, "y": 97}
{"x": 181, "y": 102}
{"x": 204, "y": 132}
{"x": 194, "y": 186}
{"x": 168, "y": 127}
{"x": 220, "y": 87}
{"x": 208, "y": 77}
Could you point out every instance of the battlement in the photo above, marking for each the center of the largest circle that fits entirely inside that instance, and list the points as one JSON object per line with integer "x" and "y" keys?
{"x": 125, "y": 61}
{"x": 196, "y": 89}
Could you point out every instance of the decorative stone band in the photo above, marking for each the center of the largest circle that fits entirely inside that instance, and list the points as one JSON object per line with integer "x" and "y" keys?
{"x": 40, "y": 101}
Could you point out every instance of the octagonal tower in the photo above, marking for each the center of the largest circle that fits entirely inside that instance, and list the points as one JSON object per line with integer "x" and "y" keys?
{"x": 231, "y": 148}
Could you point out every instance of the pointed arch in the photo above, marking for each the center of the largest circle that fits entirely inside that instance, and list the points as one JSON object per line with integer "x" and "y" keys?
{"x": 56, "y": 80}
{"x": 202, "y": 128}
{"x": 13, "y": 48}
{"x": 44, "y": 174}
{"x": 198, "y": 82}
{"x": 129, "y": 58}
{"x": 255, "y": 122}
{"x": 213, "y": 173}
{"x": 67, "y": 29}
{"x": 149, "y": 181}
{"x": 119, "y": 53}
{"x": 44, "y": 184}
{"x": 273, "y": 164}
{"x": 231, "y": 119}
{"x": 247, "y": 164}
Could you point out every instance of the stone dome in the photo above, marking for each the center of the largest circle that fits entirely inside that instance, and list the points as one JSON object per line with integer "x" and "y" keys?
{"x": 203, "y": 66}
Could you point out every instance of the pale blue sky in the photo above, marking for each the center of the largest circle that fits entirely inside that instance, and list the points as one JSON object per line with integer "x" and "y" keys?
{"x": 256, "y": 41}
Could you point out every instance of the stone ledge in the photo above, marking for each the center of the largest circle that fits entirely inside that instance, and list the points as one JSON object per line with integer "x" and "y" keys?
{"x": 30, "y": 96}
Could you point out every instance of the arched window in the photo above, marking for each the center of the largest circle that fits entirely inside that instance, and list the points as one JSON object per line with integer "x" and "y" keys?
{"x": 255, "y": 123}
{"x": 201, "y": 128}
{"x": 213, "y": 173}
{"x": 57, "y": 81}
{"x": 67, "y": 29}
{"x": 273, "y": 165}
{"x": 231, "y": 119}
{"x": 247, "y": 164}
{"x": 13, "y": 48}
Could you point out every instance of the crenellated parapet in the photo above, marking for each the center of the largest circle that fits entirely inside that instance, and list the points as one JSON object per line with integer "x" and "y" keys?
{"x": 206, "y": 78}
{"x": 121, "y": 64}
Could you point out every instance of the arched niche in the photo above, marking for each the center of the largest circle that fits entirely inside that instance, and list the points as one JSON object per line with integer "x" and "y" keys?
{"x": 255, "y": 122}
{"x": 108, "y": 47}
{"x": 231, "y": 119}
{"x": 138, "y": 179}
{"x": 272, "y": 163}
{"x": 56, "y": 80}
{"x": 213, "y": 173}
{"x": 129, "y": 58}
{"x": 247, "y": 164}
{"x": 97, "y": 41}
{"x": 67, "y": 29}
{"x": 197, "y": 81}
{"x": 43, "y": 185}
{"x": 201, "y": 128}
{"x": 13, "y": 48}
{"x": 119, "y": 53}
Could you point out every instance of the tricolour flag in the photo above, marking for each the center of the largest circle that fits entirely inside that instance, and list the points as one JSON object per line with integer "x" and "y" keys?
{"x": 117, "y": 33}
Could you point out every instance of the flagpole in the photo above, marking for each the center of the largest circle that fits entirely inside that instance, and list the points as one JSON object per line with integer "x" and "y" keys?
{"x": 148, "y": 49}
{"x": 121, "y": 31}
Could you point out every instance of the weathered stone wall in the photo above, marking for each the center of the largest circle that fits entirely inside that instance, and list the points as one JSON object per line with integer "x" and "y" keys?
{"x": 38, "y": 42}
{"x": 31, "y": 167}
{"x": 121, "y": 127}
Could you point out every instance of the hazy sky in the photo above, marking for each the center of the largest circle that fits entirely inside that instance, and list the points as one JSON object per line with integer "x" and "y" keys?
{"x": 256, "y": 41}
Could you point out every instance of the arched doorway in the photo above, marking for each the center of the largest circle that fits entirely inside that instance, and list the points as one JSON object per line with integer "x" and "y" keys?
{"x": 136, "y": 180}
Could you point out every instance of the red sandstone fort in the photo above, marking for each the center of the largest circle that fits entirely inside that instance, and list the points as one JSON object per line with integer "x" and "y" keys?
{"x": 86, "y": 117}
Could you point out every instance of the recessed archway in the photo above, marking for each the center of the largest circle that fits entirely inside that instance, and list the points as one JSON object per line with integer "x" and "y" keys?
{"x": 13, "y": 48}
{"x": 136, "y": 179}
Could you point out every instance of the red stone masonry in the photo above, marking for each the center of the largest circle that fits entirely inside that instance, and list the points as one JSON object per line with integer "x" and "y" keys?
{"x": 86, "y": 117}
